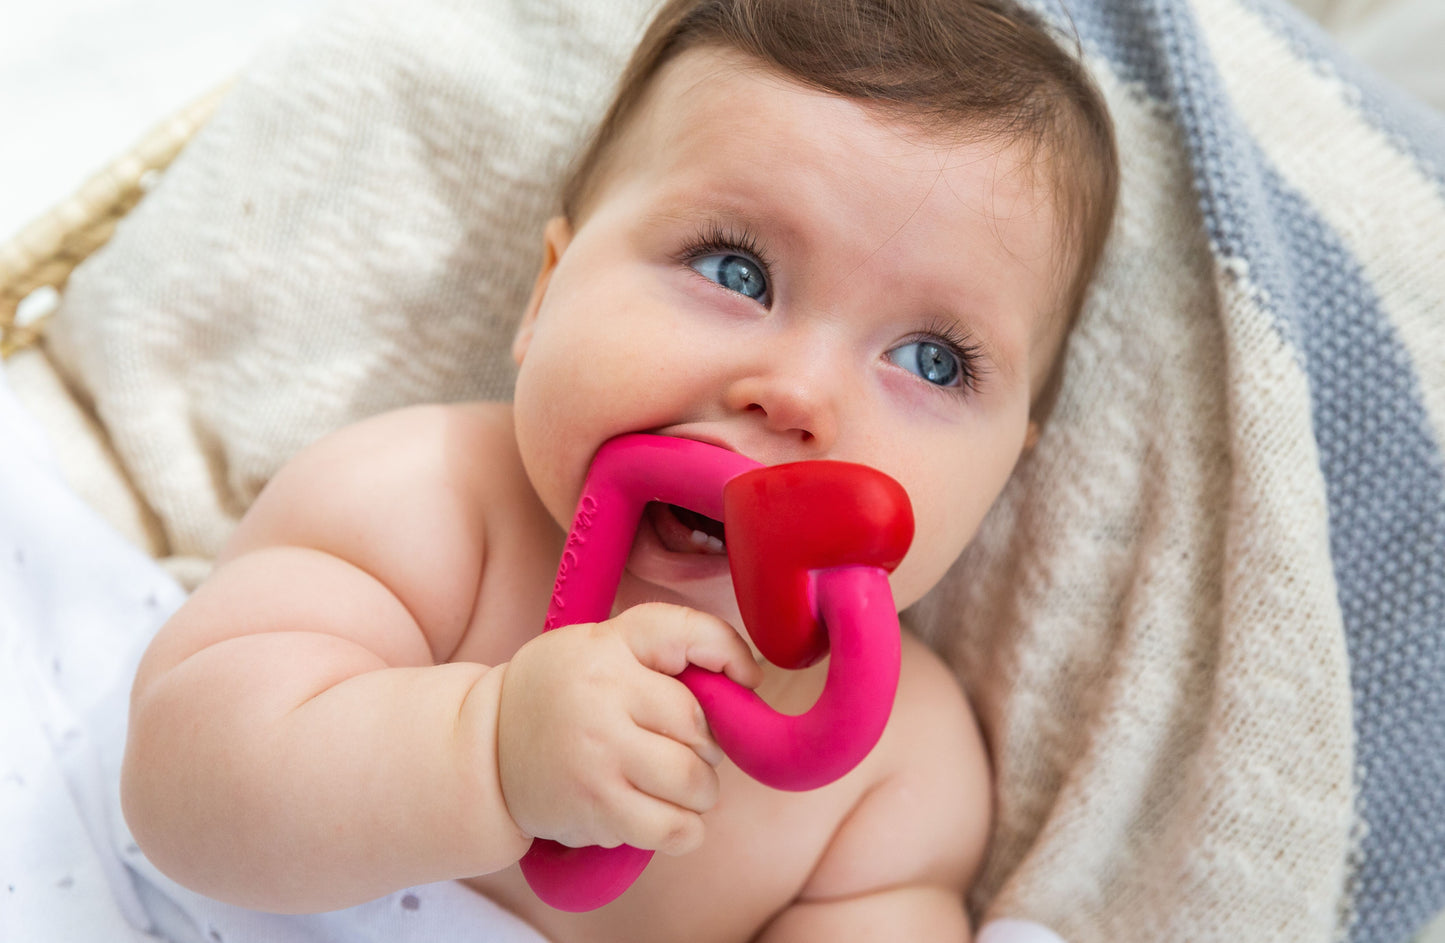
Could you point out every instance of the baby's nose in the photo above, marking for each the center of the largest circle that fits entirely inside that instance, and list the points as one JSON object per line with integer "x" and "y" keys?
{"x": 797, "y": 405}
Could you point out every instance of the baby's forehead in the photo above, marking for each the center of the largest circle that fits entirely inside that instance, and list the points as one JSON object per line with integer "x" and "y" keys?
{"x": 706, "y": 98}
{"x": 742, "y": 95}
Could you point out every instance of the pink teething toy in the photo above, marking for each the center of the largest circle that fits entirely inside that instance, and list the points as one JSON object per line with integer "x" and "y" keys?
{"x": 810, "y": 546}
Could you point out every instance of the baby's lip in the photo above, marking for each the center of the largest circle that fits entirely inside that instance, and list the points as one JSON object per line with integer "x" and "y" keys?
{"x": 680, "y": 432}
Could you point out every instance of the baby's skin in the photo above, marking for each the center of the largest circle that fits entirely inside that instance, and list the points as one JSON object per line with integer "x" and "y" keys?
{"x": 359, "y": 700}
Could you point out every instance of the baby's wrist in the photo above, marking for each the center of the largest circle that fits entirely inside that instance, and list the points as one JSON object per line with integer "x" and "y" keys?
{"x": 486, "y": 819}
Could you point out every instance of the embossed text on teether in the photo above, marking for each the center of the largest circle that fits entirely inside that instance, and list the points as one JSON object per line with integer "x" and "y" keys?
{"x": 586, "y": 513}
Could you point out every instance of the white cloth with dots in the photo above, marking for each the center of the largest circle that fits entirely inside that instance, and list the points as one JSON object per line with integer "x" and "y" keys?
{"x": 78, "y": 603}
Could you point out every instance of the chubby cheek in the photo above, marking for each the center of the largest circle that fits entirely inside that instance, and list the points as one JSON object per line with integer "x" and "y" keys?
{"x": 937, "y": 543}
{"x": 552, "y": 410}
{"x": 581, "y": 381}
{"x": 538, "y": 439}
{"x": 951, "y": 496}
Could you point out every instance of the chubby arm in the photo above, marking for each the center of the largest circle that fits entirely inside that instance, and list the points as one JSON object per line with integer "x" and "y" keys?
{"x": 287, "y": 717}
{"x": 301, "y": 738}
{"x": 899, "y": 865}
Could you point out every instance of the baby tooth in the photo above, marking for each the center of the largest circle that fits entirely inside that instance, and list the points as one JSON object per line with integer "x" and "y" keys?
{"x": 700, "y": 539}
{"x": 714, "y": 545}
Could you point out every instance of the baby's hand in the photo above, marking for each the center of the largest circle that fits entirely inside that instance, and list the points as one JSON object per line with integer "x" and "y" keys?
{"x": 598, "y": 745}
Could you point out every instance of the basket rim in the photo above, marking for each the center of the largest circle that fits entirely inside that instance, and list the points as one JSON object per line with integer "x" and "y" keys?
{"x": 45, "y": 252}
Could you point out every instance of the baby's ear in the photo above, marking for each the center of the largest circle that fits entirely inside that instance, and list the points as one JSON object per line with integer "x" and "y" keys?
{"x": 1031, "y": 435}
{"x": 556, "y": 236}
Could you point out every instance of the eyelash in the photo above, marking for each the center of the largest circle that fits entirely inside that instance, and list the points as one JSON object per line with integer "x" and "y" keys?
{"x": 716, "y": 237}
{"x": 970, "y": 354}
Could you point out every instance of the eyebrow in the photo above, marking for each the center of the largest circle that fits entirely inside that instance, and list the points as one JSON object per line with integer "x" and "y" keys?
{"x": 728, "y": 210}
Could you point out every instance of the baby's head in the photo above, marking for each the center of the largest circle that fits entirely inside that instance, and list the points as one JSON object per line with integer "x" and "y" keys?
{"x": 849, "y": 229}
{"x": 951, "y": 69}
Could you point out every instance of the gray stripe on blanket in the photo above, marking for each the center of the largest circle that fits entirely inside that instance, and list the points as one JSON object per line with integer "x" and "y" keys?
{"x": 1386, "y": 493}
{"x": 1384, "y": 484}
{"x": 1385, "y": 480}
{"x": 1116, "y": 32}
{"x": 1410, "y": 124}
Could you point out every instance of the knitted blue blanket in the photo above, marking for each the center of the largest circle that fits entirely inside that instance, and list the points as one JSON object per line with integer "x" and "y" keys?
{"x": 1320, "y": 197}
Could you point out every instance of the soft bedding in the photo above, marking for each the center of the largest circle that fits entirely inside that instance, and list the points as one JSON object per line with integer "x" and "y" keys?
{"x": 1204, "y": 630}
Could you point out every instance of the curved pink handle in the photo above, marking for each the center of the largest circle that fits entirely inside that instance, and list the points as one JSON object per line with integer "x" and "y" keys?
{"x": 851, "y": 600}
{"x": 821, "y": 745}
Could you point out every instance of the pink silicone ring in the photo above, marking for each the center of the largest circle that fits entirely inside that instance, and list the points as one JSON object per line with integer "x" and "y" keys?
{"x": 852, "y": 600}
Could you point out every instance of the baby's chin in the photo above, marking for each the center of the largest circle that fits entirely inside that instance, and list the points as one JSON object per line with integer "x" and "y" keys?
{"x": 713, "y": 596}
{"x": 697, "y": 581}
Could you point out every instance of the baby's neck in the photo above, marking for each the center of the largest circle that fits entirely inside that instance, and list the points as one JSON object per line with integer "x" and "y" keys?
{"x": 792, "y": 692}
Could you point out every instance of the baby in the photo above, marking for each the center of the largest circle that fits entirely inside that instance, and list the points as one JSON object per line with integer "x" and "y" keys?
{"x": 806, "y": 229}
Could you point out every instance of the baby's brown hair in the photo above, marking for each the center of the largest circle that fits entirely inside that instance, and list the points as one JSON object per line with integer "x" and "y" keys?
{"x": 975, "y": 69}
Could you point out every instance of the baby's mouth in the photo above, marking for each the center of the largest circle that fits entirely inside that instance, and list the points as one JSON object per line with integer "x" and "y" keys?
{"x": 683, "y": 531}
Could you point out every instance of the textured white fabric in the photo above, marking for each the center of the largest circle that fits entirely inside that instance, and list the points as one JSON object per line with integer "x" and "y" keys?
{"x": 356, "y": 229}
{"x": 1016, "y": 931}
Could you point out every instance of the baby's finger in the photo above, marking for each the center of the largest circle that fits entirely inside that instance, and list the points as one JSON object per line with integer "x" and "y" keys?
{"x": 665, "y": 706}
{"x": 666, "y": 770}
{"x": 647, "y": 822}
{"x": 668, "y": 638}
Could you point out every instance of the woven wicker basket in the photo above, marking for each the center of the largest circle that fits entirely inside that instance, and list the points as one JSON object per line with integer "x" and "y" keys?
{"x": 46, "y": 251}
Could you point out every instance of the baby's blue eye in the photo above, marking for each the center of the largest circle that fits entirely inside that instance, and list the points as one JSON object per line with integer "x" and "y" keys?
{"x": 734, "y": 272}
{"x": 930, "y": 360}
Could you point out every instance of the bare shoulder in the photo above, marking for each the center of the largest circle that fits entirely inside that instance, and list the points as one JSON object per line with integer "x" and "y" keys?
{"x": 402, "y": 496}
{"x": 405, "y": 458}
{"x": 925, "y": 821}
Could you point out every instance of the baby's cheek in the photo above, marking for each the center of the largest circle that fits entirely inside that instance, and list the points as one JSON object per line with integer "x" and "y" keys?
{"x": 921, "y": 570}
{"x": 939, "y": 538}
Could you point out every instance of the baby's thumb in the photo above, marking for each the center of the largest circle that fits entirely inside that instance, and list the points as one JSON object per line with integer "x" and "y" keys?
{"x": 668, "y": 638}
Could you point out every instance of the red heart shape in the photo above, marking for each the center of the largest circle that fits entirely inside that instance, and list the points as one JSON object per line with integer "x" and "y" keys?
{"x": 785, "y": 521}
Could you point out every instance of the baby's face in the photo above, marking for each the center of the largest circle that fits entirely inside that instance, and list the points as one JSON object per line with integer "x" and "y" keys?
{"x": 793, "y": 276}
